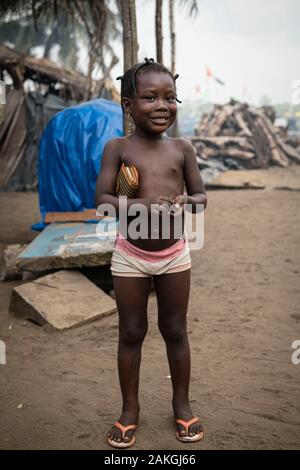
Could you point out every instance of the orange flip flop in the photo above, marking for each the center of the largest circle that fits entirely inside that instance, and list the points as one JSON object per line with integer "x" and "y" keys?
{"x": 123, "y": 429}
{"x": 186, "y": 425}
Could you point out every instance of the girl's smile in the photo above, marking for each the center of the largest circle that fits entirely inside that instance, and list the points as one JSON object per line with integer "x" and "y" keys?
{"x": 154, "y": 107}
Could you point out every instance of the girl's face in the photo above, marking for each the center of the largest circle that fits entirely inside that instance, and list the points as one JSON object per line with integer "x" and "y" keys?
{"x": 154, "y": 107}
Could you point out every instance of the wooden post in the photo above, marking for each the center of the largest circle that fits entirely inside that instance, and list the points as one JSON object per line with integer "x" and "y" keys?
{"x": 130, "y": 43}
{"x": 158, "y": 31}
{"x": 174, "y": 129}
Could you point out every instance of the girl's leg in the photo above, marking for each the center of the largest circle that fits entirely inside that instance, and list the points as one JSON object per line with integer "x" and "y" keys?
{"x": 172, "y": 292}
{"x": 132, "y": 299}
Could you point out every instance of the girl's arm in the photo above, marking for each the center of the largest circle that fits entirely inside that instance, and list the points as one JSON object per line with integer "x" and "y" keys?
{"x": 106, "y": 181}
{"x": 195, "y": 189}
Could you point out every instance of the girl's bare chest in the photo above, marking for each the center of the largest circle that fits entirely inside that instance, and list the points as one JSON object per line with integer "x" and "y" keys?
{"x": 156, "y": 167}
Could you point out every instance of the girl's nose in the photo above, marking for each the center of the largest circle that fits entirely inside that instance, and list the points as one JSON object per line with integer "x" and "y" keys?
{"x": 161, "y": 104}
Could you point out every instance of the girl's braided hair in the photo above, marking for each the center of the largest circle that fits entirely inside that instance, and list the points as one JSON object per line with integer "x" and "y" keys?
{"x": 128, "y": 80}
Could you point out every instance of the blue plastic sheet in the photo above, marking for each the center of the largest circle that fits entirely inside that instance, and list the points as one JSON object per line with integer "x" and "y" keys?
{"x": 70, "y": 155}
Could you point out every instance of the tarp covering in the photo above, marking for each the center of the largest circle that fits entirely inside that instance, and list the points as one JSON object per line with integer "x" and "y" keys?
{"x": 70, "y": 155}
{"x": 19, "y": 155}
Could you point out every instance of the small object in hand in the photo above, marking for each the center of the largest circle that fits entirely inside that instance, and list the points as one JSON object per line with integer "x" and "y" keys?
{"x": 176, "y": 209}
{"x": 159, "y": 208}
{"x": 165, "y": 206}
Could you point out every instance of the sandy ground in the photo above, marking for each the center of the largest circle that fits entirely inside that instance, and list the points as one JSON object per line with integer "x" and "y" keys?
{"x": 243, "y": 317}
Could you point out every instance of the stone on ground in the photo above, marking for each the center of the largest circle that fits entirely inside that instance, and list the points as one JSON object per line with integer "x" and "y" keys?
{"x": 63, "y": 299}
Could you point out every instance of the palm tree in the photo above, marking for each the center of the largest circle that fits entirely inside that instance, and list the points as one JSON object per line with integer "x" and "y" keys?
{"x": 130, "y": 42}
{"x": 172, "y": 35}
{"x": 192, "y": 5}
{"x": 91, "y": 21}
{"x": 158, "y": 31}
{"x": 193, "y": 11}
{"x": 21, "y": 34}
{"x": 174, "y": 129}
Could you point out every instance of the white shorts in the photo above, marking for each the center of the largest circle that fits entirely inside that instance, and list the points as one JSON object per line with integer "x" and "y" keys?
{"x": 131, "y": 261}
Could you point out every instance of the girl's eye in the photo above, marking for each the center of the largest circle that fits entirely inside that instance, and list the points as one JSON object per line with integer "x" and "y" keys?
{"x": 149, "y": 98}
{"x": 171, "y": 98}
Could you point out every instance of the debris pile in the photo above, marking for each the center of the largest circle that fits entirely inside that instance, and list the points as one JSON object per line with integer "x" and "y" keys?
{"x": 241, "y": 136}
{"x": 27, "y": 113}
{"x": 67, "y": 272}
{"x": 72, "y": 84}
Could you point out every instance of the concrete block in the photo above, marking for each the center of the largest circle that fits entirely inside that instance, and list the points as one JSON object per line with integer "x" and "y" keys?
{"x": 69, "y": 245}
{"x": 63, "y": 299}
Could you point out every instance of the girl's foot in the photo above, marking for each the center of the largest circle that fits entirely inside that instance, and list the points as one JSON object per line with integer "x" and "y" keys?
{"x": 188, "y": 429}
{"x": 122, "y": 434}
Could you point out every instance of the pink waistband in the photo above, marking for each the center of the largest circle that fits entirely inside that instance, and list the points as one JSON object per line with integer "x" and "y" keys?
{"x": 152, "y": 256}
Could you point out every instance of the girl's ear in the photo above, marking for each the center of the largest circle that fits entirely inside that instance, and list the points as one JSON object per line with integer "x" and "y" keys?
{"x": 126, "y": 105}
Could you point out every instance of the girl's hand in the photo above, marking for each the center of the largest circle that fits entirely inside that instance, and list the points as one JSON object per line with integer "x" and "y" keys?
{"x": 173, "y": 206}
{"x": 176, "y": 207}
{"x": 161, "y": 203}
{"x": 180, "y": 200}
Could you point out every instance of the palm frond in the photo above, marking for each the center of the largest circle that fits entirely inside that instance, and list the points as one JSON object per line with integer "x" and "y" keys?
{"x": 192, "y": 6}
{"x": 93, "y": 18}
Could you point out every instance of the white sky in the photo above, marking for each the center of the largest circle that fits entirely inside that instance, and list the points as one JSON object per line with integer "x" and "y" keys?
{"x": 249, "y": 44}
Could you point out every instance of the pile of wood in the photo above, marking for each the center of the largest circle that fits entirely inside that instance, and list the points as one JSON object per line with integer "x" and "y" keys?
{"x": 243, "y": 133}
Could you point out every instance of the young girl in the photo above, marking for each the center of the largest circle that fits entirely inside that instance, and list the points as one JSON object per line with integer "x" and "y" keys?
{"x": 164, "y": 165}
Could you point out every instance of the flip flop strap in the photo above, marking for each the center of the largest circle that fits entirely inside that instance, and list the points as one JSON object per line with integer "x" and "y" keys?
{"x": 187, "y": 424}
{"x": 124, "y": 429}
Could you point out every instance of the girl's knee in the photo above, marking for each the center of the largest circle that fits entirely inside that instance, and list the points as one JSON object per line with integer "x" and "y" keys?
{"x": 172, "y": 332}
{"x": 133, "y": 334}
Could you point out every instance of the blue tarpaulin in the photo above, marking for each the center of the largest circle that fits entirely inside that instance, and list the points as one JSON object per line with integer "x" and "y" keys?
{"x": 70, "y": 155}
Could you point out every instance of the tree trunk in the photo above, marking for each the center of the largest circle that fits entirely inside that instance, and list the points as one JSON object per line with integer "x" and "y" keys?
{"x": 158, "y": 31}
{"x": 134, "y": 40}
{"x": 174, "y": 129}
{"x": 130, "y": 43}
{"x": 172, "y": 35}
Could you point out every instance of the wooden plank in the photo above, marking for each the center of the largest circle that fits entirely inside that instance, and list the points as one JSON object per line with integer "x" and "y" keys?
{"x": 63, "y": 299}
{"x": 70, "y": 245}
{"x": 245, "y": 185}
{"x": 78, "y": 216}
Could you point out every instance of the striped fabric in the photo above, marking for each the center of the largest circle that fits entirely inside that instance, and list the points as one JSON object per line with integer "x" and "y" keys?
{"x": 127, "y": 181}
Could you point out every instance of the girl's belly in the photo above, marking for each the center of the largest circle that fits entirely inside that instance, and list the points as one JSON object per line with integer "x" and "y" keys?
{"x": 153, "y": 233}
